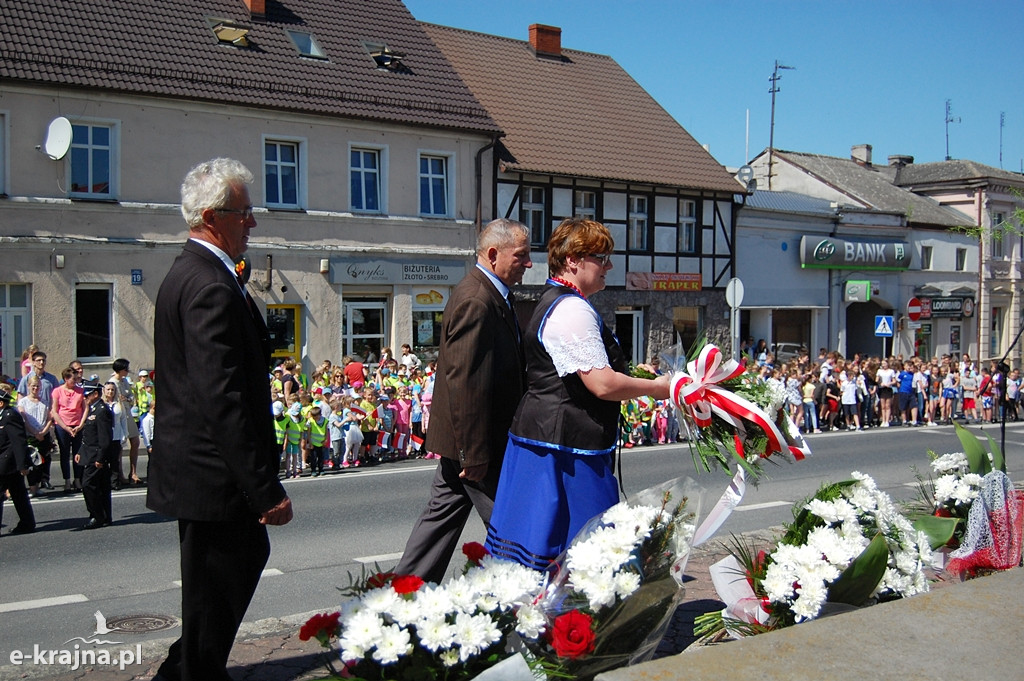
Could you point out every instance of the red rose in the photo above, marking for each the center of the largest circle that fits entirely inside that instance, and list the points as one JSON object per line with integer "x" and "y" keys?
{"x": 379, "y": 580}
{"x": 474, "y": 551}
{"x": 571, "y": 635}
{"x": 406, "y": 584}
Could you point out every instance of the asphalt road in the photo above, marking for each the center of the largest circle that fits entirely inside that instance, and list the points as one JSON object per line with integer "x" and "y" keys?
{"x": 52, "y": 582}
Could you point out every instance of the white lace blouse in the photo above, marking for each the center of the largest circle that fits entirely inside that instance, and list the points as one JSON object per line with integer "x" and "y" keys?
{"x": 572, "y": 336}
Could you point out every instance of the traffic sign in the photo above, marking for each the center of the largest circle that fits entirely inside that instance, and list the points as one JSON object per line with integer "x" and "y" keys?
{"x": 914, "y": 309}
{"x": 883, "y": 325}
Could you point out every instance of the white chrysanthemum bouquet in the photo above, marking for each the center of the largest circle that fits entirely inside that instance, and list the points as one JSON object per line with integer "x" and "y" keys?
{"x": 848, "y": 545}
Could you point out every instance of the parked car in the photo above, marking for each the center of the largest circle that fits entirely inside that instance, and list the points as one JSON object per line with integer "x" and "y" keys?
{"x": 784, "y": 352}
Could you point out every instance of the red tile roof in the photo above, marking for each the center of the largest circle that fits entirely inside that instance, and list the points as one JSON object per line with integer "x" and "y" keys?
{"x": 581, "y": 115}
{"x": 167, "y": 48}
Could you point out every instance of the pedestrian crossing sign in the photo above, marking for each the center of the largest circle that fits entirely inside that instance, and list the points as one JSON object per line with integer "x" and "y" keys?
{"x": 883, "y": 325}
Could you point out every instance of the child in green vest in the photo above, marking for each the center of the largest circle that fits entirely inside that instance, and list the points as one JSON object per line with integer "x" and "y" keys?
{"x": 316, "y": 440}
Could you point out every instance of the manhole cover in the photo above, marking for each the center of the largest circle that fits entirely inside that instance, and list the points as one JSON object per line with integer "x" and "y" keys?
{"x": 141, "y": 624}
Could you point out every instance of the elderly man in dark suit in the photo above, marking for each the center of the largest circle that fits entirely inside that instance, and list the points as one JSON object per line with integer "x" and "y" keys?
{"x": 215, "y": 458}
{"x": 480, "y": 379}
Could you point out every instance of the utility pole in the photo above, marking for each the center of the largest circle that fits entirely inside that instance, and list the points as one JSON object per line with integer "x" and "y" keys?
{"x": 950, "y": 118}
{"x": 771, "y": 134}
{"x": 1002, "y": 124}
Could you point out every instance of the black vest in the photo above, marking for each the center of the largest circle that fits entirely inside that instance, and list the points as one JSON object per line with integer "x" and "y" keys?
{"x": 560, "y": 411}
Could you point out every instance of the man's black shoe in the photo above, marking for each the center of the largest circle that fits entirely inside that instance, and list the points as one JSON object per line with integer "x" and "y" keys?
{"x": 92, "y": 524}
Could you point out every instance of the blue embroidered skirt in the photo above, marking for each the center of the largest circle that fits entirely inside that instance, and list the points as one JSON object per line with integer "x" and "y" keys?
{"x": 545, "y": 495}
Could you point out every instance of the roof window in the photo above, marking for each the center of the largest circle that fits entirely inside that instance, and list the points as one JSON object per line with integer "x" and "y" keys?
{"x": 385, "y": 58}
{"x": 230, "y": 32}
{"x": 306, "y": 44}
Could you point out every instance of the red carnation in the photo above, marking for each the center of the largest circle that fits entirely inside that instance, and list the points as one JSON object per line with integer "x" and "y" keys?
{"x": 379, "y": 580}
{"x": 571, "y": 635}
{"x": 474, "y": 551}
{"x": 320, "y": 626}
{"x": 406, "y": 584}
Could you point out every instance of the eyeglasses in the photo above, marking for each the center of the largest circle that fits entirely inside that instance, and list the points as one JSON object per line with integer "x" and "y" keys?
{"x": 603, "y": 258}
{"x": 246, "y": 212}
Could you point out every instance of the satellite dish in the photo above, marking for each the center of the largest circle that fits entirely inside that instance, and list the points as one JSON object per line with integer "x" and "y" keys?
{"x": 745, "y": 174}
{"x": 58, "y": 138}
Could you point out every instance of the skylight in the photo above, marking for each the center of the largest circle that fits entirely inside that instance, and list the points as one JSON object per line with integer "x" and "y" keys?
{"x": 306, "y": 44}
{"x": 386, "y": 58}
{"x": 229, "y": 32}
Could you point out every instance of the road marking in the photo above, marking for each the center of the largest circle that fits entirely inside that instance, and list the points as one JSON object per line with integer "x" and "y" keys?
{"x": 366, "y": 560}
{"x": 758, "y": 507}
{"x": 269, "y": 572}
{"x": 43, "y": 602}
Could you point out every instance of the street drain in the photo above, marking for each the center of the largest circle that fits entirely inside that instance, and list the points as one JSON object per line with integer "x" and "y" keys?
{"x": 141, "y": 624}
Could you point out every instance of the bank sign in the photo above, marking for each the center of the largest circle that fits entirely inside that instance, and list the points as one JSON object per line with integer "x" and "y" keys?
{"x": 432, "y": 272}
{"x": 833, "y": 253}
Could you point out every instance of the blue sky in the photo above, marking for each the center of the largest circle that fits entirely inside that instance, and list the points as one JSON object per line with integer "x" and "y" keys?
{"x": 866, "y": 72}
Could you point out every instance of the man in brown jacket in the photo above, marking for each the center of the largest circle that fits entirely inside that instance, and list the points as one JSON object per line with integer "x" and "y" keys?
{"x": 480, "y": 379}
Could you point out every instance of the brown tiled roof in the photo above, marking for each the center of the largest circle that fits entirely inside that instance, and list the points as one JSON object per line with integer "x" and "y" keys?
{"x": 955, "y": 172}
{"x": 581, "y": 116}
{"x": 166, "y": 47}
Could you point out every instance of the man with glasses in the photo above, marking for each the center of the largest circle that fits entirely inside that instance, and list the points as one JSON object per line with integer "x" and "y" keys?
{"x": 47, "y": 381}
{"x": 214, "y": 465}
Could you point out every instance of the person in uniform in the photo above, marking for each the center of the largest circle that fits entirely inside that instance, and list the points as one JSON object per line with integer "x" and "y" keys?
{"x": 14, "y": 465}
{"x": 96, "y": 457}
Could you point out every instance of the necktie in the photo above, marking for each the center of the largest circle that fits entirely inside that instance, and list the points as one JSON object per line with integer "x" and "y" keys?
{"x": 512, "y": 306}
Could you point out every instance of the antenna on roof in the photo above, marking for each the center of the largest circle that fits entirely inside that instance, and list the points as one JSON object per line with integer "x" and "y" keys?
{"x": 775, "y": 78}
{"x": 950, "y": 118}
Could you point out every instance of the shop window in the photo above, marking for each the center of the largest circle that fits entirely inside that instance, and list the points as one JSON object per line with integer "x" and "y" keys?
{"x": 285, "y": 329}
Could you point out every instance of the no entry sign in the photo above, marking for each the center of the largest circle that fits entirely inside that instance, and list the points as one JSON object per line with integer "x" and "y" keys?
{"x": 914, "y": 309}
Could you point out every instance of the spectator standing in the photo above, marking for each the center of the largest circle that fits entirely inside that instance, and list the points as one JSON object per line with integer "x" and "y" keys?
{"x": 68, "y": 411}
{"x": 969, "y": 385}
{"x": 127, "y": 400}
{"x": 47, "y": 381}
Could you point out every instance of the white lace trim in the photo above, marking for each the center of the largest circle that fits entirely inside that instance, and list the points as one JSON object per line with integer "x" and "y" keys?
{"x": 572, "y": 336}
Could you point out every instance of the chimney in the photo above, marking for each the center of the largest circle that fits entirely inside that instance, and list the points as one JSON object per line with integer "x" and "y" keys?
{"x": 861, "y": 153}
{"x": 900, "y": 160}
{"x": 257, "y": 8}
{"x": 546, "y": 40}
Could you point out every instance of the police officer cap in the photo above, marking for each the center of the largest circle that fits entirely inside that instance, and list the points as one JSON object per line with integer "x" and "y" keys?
{"x": 90, "y": 386}
{"x": 5, "y": 396}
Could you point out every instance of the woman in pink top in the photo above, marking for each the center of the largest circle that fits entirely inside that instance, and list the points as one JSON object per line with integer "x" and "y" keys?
{"x": 67, "y": 410}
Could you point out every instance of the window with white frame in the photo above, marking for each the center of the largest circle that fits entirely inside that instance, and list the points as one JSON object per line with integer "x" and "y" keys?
{"x": 92, "y": 159}
{"x": 961, "y": 259}
{"x": 926, "y": 257}
{"x": 585, "y": 204}
{"x": 995, "y": 341}
{"x": 636, "y": 231}
{"x": 531, "y": 214}
{"x": 366, "y": 175}
{"x": 435, "y": 185}
{"x": 996, "y": 240}
{"x": 93, "y": 324}
{"x": 687, "y": 226}
{"x": 281, "y": 173}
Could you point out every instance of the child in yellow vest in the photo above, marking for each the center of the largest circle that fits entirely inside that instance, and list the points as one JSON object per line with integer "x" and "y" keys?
{"x": 295, "y": 430}
{"x": 316, "y": 439}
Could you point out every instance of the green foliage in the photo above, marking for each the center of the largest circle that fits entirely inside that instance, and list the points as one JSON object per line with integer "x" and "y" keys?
{"x": 803, "y": 520}
{"x": 939, "y": 530}
{"x": 863, "y": 575}
{"x": 977, "y": 457}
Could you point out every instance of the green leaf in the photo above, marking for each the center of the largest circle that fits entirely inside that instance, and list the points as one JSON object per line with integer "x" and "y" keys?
{"x": 977, "y": 457}
{"x": 859, "y": 580}
{"x": 939, "y": 530}
{"x": 998, "y": 460}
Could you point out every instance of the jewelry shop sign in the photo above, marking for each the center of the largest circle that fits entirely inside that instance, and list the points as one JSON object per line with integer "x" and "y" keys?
{"x": 834, "y": 253}
{"x": 432, "y": 272}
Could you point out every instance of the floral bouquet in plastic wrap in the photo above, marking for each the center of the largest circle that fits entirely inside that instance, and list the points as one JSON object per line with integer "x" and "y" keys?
{"x": 398, "y": 627}
{"x": 971, "y": 510}
{"x": 848, "y": 546}
{"x": 612, "y": 593}
{"x": 728, "y": 415}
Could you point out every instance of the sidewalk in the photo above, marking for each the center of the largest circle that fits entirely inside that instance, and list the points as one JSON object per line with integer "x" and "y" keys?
{"x": 270, "y": 649}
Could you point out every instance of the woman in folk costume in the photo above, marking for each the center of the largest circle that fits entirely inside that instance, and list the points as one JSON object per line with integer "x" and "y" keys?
{"x": 557, "y": 470}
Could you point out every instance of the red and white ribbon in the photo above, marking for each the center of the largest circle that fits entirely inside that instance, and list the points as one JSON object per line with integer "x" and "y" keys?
{"x": 696, "y": 392}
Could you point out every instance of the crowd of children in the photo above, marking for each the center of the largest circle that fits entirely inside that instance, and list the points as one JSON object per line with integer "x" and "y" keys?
{"x": 351, "y": 415}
